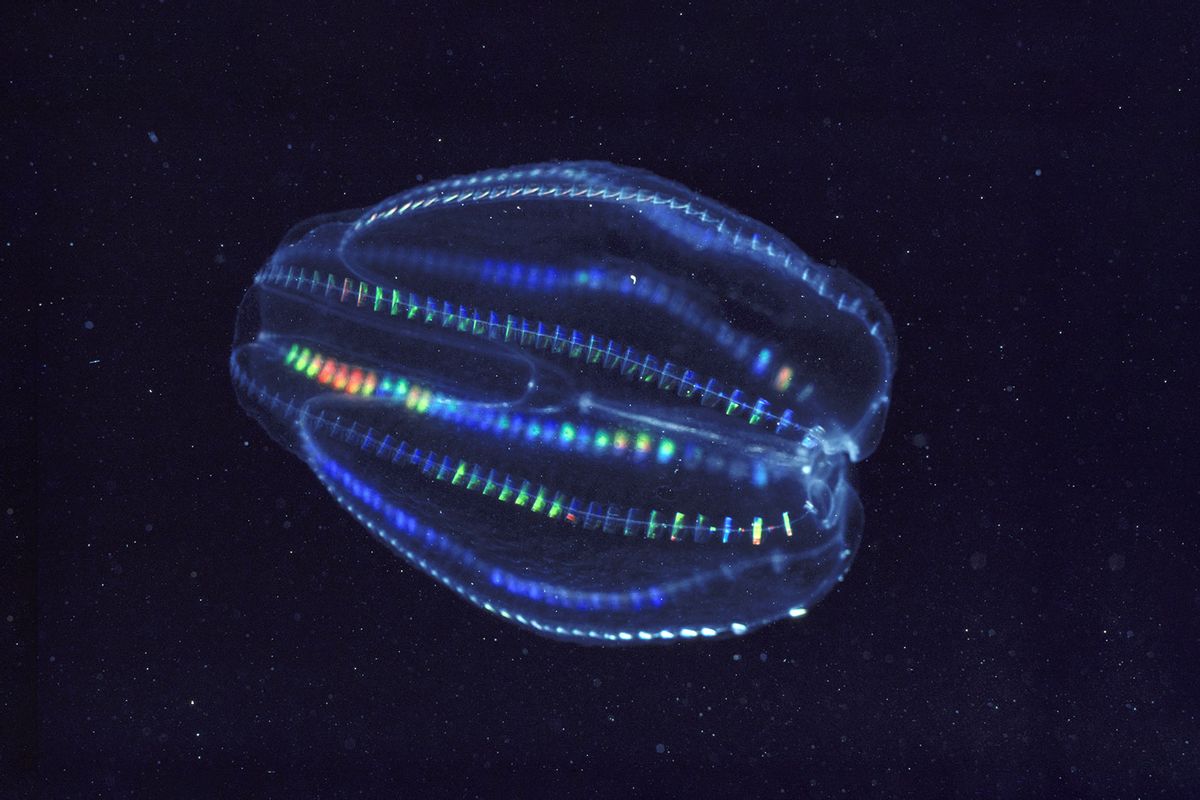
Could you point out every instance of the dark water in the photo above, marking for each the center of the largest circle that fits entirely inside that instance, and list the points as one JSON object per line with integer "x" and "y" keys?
{"x": 194, "y": 615}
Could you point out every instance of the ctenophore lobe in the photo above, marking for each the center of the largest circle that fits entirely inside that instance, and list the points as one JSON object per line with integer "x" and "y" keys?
{"x": 583, "y": 397}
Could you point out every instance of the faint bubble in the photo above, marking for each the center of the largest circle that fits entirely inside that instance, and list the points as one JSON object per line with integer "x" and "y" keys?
{"x": 88, "y": 324}
{"x": 920, "y": 440}
{"x": 978, "y": 560}
{"x": 1116, "y": 562}
{"x": 660, "y": 748}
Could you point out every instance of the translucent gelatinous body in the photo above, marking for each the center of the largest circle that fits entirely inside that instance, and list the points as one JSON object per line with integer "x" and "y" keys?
{"x": 583, "y": 397}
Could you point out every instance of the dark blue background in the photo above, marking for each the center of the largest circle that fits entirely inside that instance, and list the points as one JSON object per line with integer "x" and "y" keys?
{"x": 1019, "y": 187}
